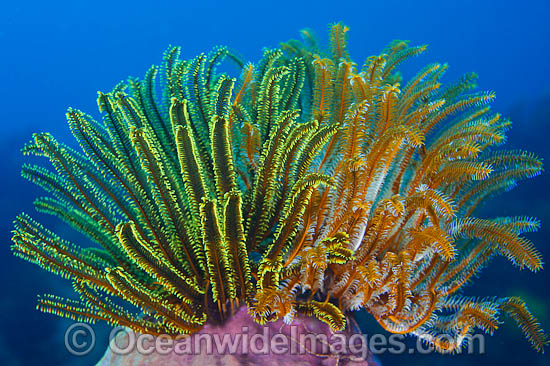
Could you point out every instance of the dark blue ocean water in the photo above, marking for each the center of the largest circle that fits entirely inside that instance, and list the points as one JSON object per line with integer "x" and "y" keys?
{"x": 59, "y": 54}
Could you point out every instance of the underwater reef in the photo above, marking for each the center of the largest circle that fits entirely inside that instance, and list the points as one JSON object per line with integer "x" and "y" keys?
{"x": 308, "y": 187}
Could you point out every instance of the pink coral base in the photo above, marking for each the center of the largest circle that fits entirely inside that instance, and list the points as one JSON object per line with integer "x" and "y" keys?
{"x": 288, "y": 351}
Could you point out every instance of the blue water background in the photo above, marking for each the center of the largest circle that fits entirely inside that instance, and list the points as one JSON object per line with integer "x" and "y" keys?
{"x": 59, "y": 54}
